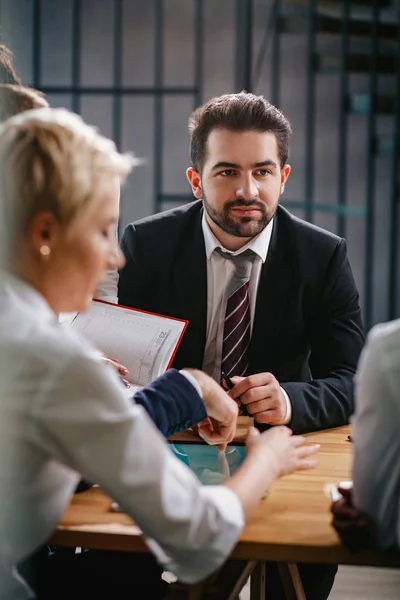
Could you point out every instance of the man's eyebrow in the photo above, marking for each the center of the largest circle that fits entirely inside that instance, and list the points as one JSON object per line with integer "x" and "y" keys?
{"x": 257, "y": 165}
{"x": 264, "y": 163}
{"x": 226, "y": 165}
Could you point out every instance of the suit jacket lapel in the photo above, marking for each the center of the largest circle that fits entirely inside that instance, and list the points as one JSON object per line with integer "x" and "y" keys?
{"x": 275, "y": 281}
{"x": 190, "y": 294}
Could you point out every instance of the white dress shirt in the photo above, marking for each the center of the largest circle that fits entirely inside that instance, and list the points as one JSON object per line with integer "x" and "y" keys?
{"x": 376, "y": 431}
{"x": 108, "y": 288}
{"x": 219, "y": 273}
{"x": 63, "y": 414}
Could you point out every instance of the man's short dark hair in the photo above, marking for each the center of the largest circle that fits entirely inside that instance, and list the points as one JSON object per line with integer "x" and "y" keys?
{"x": 15, "y": 99}
{"x": 237, "y": 112}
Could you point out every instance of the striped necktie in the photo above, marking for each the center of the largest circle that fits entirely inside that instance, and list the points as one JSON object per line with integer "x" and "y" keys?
{"x": 236, "y": 336}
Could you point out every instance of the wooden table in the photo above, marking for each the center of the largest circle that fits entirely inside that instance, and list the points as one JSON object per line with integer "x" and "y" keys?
{"x": 293, "y": 524}
{"x": 89, "y": 521}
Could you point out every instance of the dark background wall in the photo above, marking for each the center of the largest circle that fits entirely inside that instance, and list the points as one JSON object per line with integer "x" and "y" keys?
{"x": 136, "y": 69}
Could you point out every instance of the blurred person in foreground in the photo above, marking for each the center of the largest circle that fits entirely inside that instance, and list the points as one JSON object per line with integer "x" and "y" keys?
{"x": 174, "y": 413}
{"x": 7, "y": 70}
{"x": 64, "y": 412}
{"x": 367, "y": 515}
{"x": 14, "y": 96}
{"x": 15, "y": 99}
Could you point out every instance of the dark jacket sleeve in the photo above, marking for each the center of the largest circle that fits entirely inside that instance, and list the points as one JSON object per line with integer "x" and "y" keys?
{"x": 336, "y": 337}
{"x": 172, "y": 403}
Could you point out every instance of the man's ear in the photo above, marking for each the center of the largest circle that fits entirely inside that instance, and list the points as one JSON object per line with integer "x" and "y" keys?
{"x": 195, "y": 182}
{"x": 43, "y": 230}
{"x": 284, "y": 175}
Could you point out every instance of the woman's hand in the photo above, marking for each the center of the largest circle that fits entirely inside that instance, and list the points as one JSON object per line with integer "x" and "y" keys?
{"x": 220, "y": 426}
{"x": 288, "y": 453}
{"x": 121, "y": 370}
{"x": 269, "y": 455}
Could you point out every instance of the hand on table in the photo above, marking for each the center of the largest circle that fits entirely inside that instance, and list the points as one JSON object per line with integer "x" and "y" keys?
{"x": 263, "y": 397}
{"x": 355, "y": 529}
{"x": 287, "y": 453}
{"x": 220, "y": 426}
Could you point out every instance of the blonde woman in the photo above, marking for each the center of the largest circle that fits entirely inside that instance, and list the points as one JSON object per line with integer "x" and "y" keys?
{"x": 63, "y": 412}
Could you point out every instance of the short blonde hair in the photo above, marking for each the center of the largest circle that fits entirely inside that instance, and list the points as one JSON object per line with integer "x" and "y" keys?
{"x": 50, "y": 160}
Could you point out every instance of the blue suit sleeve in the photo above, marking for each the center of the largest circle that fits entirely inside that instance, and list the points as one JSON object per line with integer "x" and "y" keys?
{"x": 172, "y": 403}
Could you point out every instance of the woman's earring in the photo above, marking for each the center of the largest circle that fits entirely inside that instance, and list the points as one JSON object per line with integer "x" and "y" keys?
{"x": 45, "y": 251}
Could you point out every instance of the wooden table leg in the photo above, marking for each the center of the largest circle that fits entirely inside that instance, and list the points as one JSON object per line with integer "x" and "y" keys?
{"x": 232, "y": 578}
{"x": 257, "y": 582}
{"x": 291, "y": 581}
{"x": 226, "y": 584}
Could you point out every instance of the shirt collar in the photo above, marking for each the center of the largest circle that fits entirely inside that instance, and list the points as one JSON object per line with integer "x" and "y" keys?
{"x": 259, "y": 244}
{"x": 32, "y": 300}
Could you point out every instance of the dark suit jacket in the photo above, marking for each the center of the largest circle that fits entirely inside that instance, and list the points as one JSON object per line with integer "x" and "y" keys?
{"x": 307, "y": 329}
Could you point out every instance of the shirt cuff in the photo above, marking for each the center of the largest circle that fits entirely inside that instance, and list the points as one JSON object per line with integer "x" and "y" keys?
{"x": 192, "y": 379}
{"x": 229, "y": 506}
{"x": 288, "y": 416}
{"x": 228, "y": 523}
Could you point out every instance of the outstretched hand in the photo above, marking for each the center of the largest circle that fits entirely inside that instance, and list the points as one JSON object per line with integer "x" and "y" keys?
{"x": 286, "y": 452}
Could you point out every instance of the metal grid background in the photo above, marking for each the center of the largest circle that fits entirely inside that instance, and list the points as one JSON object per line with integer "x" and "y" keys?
{"x": 137, "y": 69}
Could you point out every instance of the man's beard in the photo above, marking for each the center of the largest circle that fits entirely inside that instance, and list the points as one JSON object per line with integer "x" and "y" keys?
{"x": 240, "y": 226}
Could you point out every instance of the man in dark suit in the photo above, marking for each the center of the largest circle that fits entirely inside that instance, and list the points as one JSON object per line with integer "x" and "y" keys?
{"x": 304, "y": 316}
